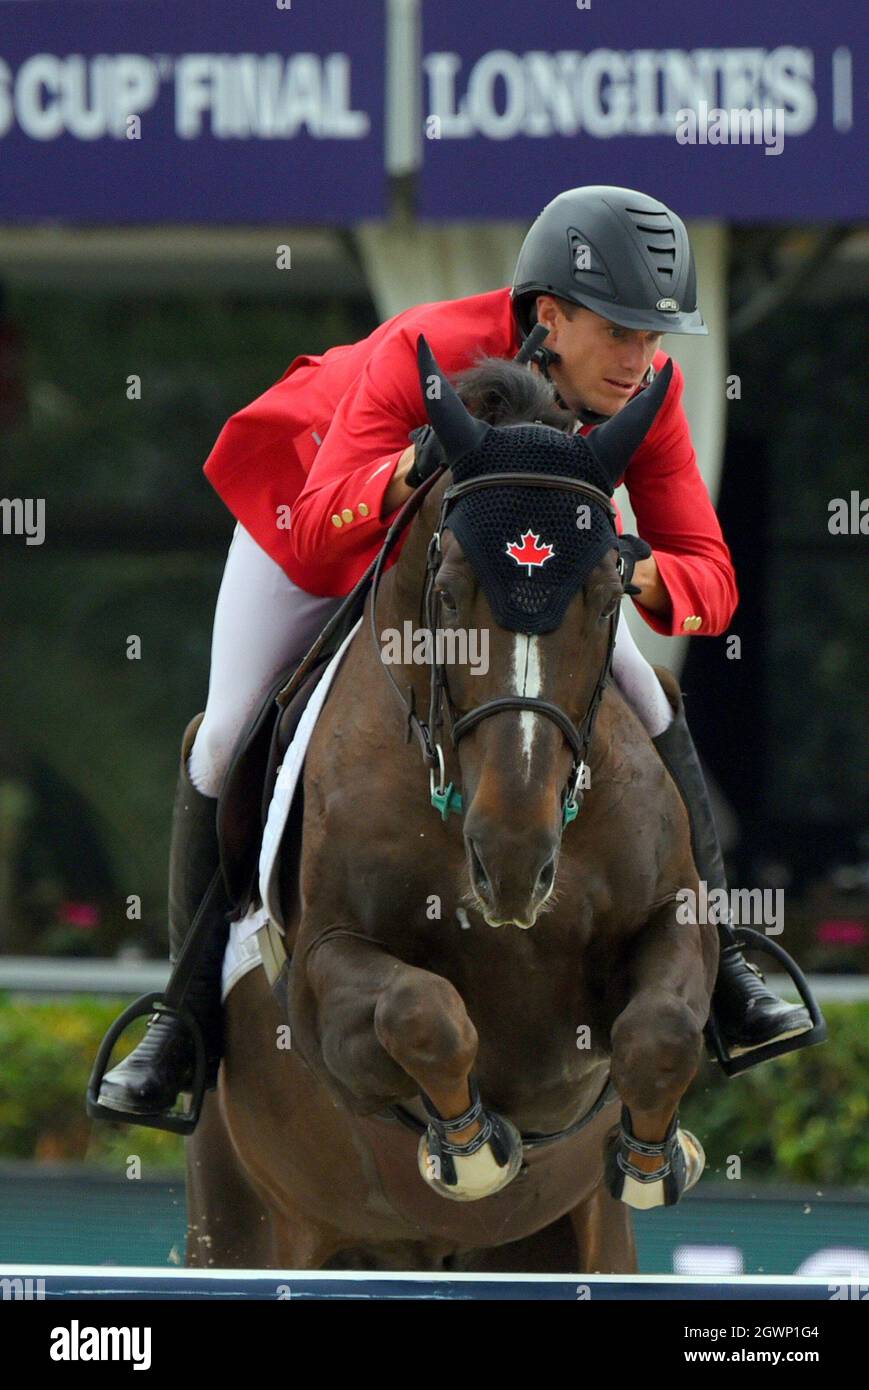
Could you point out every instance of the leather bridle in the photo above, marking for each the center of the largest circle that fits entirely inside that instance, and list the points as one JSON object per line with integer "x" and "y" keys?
{"x": 429, "y": 732}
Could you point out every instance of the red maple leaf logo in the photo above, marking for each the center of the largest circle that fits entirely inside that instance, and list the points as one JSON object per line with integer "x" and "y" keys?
{"x": 529, "y": 551}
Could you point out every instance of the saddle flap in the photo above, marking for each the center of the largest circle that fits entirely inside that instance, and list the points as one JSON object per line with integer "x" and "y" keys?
{"x": 284, "y": 730}
{"x": 246, "y": 794}
{"x": 240, "y": 799}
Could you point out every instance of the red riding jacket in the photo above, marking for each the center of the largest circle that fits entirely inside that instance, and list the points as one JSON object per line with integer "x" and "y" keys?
{"x": 305, "y": 466}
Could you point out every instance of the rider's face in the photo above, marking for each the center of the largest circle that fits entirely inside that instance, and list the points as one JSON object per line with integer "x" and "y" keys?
{"x": 601, "y": 363}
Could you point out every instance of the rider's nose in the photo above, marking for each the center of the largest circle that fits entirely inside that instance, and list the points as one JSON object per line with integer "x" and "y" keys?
{"x": 632, "y": 359}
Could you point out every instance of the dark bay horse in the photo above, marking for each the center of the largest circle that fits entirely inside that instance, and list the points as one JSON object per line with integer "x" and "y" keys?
{"x": 474, "y": 993}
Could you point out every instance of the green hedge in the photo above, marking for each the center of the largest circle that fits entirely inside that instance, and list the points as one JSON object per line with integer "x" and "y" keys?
{"x": 46, "y": 1054}
{"x": 803, "y": 1118}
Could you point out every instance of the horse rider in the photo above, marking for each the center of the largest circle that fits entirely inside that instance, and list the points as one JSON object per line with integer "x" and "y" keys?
{"x": 314, "y": 469}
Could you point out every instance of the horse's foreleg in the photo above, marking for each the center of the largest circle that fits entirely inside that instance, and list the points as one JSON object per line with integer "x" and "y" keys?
{"x": 383, "y": 1024}
{"x": 656, "y": 1046}
{"x": 387, "y": 1029}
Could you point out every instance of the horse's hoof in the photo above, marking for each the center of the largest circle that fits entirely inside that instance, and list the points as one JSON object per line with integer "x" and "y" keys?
{"x": 467, "y": 1172}
{"x": 682, "y": 1163}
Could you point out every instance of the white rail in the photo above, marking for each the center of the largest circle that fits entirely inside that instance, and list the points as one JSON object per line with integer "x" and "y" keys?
{"x": 41, "y": 975}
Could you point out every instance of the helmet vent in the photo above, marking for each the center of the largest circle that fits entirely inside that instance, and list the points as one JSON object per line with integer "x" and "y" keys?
{"x": 659, "y": 226}
{"x": 586, "y": 264}
{"x": 661, "y": 255}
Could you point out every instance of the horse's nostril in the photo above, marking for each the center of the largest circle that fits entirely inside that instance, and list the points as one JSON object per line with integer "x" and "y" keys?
{"x": 546, "y": 877}
{"x": 481, "y": 878}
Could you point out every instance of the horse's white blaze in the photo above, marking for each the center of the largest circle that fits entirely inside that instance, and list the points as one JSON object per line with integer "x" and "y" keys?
{"x": 527, "y": 680}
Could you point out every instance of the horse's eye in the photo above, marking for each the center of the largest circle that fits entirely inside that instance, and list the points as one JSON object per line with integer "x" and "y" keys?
{"x": 610, "y": 608}
{"x": 448, "y": 603}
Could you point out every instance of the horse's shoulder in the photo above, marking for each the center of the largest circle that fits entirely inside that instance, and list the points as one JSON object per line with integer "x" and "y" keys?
{"x": 625, "y": 747}
{"x": 630, "y": 780}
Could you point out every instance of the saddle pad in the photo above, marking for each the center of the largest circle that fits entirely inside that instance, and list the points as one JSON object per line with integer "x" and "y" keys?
{"x": 287, "y": 782}
{"x": 242, "y": 952}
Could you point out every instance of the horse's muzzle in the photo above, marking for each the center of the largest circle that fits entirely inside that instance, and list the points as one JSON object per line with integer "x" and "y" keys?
{"x": 511, "y": 877}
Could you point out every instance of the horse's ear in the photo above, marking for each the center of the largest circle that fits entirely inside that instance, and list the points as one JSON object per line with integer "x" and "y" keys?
{"x": 616, "y": 441}
{"x": 459, "y": 433}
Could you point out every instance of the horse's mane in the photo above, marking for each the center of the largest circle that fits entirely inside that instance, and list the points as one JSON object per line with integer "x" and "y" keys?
{"x": 504, "y": 393}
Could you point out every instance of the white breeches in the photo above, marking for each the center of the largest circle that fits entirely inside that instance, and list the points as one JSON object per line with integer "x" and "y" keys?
{"x": 264, "y": 622}
{"x": 637, "y": 681}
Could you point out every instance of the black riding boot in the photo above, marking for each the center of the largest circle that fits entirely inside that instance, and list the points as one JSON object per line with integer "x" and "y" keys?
{"x": 150, "y": 1079}
{"x": 747, "y": 1013}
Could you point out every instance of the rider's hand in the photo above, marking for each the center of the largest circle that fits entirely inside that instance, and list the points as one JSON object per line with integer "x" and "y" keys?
{"x": 632, "y": 551}
{"x": 422, "y": 458}
{"x": 429, "y": 455}
{"x": 398, "y": 490}
{"x": 653, "y": 593}
{"x": 641, "y": 577}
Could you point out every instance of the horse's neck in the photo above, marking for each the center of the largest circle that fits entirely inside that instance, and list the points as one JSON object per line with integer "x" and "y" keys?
{"x": 401, "y": 589}
{"x": 403, "y": 584}
{"x": 619, "y": 741}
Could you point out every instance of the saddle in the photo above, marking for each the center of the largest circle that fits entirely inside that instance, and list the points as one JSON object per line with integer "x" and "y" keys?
{"x": 247, "y": 790}
{"x": 246, "y": 794}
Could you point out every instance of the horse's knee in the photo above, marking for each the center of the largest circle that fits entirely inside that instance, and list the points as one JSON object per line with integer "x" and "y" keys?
{"x": 423, "y": 1023}
{"x": 655, "y": 1050}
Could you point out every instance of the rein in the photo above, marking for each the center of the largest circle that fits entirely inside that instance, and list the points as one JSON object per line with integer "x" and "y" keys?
{"x": 444, "y": 797}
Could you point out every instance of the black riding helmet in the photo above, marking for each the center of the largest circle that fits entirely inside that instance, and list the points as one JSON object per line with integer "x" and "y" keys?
{"x": 638, "y": 270}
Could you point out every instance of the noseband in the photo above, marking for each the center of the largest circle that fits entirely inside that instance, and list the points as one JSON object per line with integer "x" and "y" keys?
{"x": 429, "y": 732}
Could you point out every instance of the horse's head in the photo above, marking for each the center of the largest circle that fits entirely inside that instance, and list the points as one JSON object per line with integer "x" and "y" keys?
{"x": 524, "y": 566}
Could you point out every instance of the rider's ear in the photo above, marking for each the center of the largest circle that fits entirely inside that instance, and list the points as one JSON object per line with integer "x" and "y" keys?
{"x": 616, "y": 441}
{"x": 457, "y": 430}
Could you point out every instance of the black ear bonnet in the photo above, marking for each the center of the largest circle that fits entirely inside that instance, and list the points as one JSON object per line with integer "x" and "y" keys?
{"x": 532, "y": 548}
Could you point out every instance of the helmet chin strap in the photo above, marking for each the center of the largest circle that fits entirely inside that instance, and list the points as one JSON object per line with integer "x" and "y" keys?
{"x": 590, "y": 417}
{"x": 545, "y": 357}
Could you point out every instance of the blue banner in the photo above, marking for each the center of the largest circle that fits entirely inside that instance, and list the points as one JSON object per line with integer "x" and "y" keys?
{"x": 201, "y": 111}
{"x": 746, "y": 110}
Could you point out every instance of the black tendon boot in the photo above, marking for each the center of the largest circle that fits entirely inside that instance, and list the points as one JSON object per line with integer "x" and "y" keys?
{"x": 746, "y": 1014}
{"x": 149, "y": 1080}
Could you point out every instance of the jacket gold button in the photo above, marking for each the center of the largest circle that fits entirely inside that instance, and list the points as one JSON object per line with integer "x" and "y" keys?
{"x": 346, "y": 515}
{"x": 363, "y": 509}
{"x": 693, "y": 623}
{"x": 336, "y": 520}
